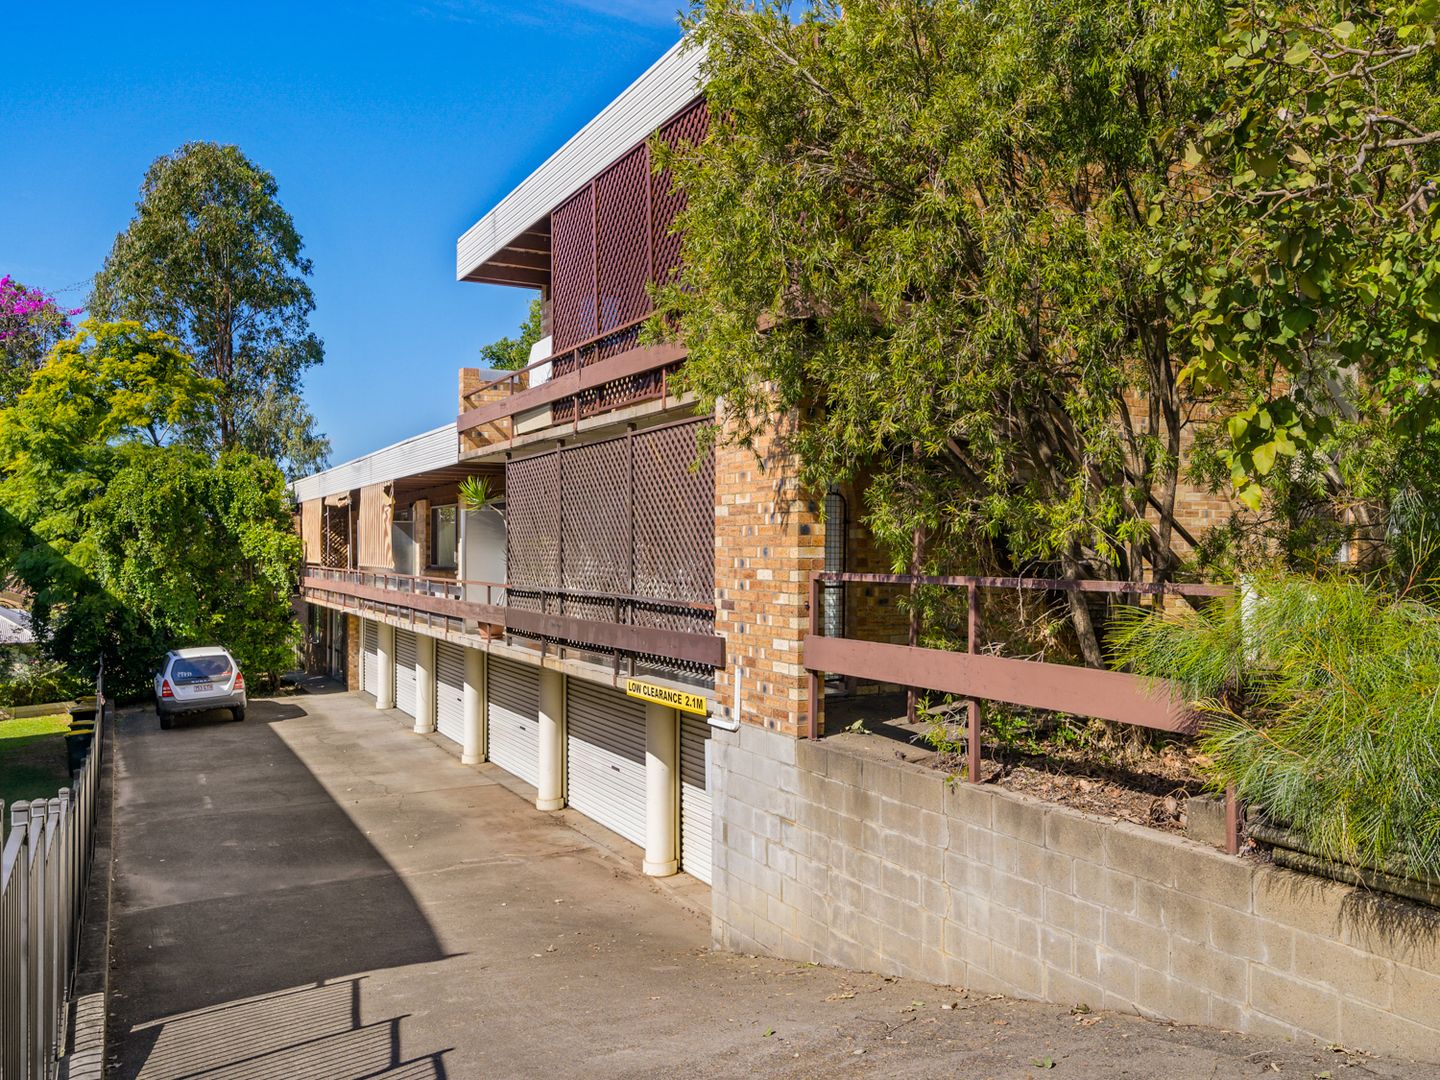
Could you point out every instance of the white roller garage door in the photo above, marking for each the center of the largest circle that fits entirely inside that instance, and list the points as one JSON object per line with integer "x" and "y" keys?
{"x": 695, "y": 807}
{"x": 605, "y": 762}
{"x": 370, "y": 658}
{"x": 513, "y": 721}
{"x": 450, "y": 691}
{"x": 405, "y": 672}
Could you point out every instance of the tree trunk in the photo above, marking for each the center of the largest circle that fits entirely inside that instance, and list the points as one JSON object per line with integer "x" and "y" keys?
{"x": 1080, "y": 617}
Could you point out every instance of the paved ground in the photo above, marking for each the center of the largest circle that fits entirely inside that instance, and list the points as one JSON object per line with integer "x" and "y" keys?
{"x": 317, "y": 892}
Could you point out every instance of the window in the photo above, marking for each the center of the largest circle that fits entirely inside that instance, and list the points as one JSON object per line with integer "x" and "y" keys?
{"x": 187, "y": 670}
{"x": 443, "y": 537}
{"x": 832, "y": 597}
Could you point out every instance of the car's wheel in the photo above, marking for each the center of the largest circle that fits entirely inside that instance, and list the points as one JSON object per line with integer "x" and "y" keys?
{"x": 238, "y": 714}
{"x": 166, "y": 722}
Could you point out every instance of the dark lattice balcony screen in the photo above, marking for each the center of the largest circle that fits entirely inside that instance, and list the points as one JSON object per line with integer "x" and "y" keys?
{"x": 622, "y": 234}
{"x": 613, "y": 237}
{"x": 532, "y": 542}
{"x": 689, "y": 126}
{"x": 674, "y": 515}
{"x": 627, "y": 518}
{"x": 595, "y": 557}
{"x": 572, "y": 270}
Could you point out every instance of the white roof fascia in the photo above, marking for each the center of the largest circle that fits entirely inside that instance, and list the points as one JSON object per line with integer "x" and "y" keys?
{"x": 417, "y": 454}
{"x": 669, "y": 84}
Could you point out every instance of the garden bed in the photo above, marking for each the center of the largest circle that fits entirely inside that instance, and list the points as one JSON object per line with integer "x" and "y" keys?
{"x": 1143, "y": 780}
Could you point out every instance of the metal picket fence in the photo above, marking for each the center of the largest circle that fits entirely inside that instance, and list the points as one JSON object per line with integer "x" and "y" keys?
{"x": 44, "y": 871}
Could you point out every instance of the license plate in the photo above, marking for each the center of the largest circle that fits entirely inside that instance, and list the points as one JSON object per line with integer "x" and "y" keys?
{"x": 202, "y": 687}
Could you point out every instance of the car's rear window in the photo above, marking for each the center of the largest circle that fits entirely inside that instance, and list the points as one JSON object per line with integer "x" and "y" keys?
{"x": 193, "y": 669}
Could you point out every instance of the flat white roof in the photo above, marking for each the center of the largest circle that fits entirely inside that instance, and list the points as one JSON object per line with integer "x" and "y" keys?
{"x": 669, "y": 84}
{"x": 419, "y": 453}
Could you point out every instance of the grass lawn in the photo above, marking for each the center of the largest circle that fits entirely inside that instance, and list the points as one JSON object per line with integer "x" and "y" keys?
{"x": 32, "y": 758}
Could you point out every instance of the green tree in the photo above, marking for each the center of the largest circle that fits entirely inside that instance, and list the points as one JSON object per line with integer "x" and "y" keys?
{"x": 202, "y": 551}
{"x": 213, "y": 259}
{"x": 1311, "y": 292}
{"x": 512, "y": 354}
{"x": 130, "y": 540}
{"x": 944, "y": 214}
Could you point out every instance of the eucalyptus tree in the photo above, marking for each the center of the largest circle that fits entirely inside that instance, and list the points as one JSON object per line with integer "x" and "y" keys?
{"x": 944, "y": 215}
{"x": 213, "y": 259}
{"x": 1309, "y": 288}
{"x": 1022, "y": 263}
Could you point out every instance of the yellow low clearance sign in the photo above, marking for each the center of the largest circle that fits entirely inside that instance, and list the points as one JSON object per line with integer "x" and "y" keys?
{"x": 663, "y": 695}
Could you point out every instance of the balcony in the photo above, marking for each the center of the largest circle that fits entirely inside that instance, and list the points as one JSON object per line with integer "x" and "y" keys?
{"x": 600, "y": 375}
{"x": 637, "y": 626}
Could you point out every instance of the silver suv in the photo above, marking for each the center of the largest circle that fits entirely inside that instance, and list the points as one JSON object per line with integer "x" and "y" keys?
{"x": 196, "y": 680}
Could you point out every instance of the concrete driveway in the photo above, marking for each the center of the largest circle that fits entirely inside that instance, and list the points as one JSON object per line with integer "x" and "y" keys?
{"x": 318, "y": 892}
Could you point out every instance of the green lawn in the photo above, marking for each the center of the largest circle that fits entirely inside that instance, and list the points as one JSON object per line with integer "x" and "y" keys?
{"x": 32, "y": 758}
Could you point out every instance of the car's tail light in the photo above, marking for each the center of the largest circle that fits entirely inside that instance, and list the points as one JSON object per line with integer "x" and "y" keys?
{"x": 239, "y": 680}
{"x": 165, "y": 690}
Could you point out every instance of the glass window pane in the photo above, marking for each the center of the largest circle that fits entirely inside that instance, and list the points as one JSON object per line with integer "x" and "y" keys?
{"x": 193, "y": 669}
{"x": 443, "y": 537}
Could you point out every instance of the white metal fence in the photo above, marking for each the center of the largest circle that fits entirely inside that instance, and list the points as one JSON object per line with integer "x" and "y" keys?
{"x": 43, "y": 874}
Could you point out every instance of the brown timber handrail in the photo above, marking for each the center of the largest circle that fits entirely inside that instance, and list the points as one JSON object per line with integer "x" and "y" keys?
{"x": 511, "y": 375}
{"x": 1139, "y": 588}
{"x": 611, "y": 598}
{"x": 378, "y": 587}
{"x": 1109, "y": 695}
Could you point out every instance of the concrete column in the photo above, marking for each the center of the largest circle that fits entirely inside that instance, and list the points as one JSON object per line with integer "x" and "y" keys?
{"x": 662, "y": 792}
{"x": 475, "y": 750}
{"x": 385, "y": 661}
{"x": 551, "y": 794}
{"x": 424, "y": 684}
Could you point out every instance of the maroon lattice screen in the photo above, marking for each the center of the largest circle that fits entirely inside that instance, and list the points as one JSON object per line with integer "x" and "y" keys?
{"x": 572, "y": 270}
{"x": 613, "y": 236}
{"x": 595, "y": 557}
{"x": 624, "y": 518}
{"x": 532, "y": 538}
{"x": 689, "y": 126}
{"x": 674, "y": 521}
{"x": 622, "y": 229}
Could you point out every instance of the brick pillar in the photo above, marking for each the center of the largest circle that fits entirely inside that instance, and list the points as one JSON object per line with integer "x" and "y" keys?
{"x": 352, "y": 652}
{"x": 768, "y": 539}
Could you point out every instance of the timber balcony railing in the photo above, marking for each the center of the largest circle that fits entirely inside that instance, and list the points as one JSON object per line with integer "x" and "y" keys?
{"x": 602, "y": 374}
{"x": 981, "y": 676}
{"x": 634, "y": 625}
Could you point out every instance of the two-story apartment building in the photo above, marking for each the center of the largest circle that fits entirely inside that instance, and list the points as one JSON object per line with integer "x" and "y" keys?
{"x": 624, "y": 625}
{"x": 517, "y": 627}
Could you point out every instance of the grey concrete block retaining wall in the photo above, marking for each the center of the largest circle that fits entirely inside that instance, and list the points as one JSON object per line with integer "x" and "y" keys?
{"x": 834, "y": 853}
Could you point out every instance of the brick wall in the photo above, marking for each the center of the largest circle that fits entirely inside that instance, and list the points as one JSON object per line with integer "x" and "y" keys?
{"x": 471, "y": 379}
{"x": 834, "y": 852}
{"x": 768, "y": 540}
{"x": 352, "y": 652}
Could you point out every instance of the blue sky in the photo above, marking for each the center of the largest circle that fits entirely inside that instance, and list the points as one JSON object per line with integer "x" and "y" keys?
{"x": 390, "y": 128}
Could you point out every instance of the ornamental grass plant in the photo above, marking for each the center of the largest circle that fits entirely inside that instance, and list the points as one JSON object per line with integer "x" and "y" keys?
{"x": 1320, "y": 701}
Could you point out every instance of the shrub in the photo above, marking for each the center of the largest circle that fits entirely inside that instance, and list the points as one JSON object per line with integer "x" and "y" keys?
{"x": 1321, "y": 704}
{"x": 38, "y": 682}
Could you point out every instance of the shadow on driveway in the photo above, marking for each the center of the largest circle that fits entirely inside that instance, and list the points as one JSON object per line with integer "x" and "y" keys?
{"x": 239, "y": 879}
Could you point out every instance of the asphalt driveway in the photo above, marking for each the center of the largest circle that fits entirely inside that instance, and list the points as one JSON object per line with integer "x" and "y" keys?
{"x": 318, "y": 892}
